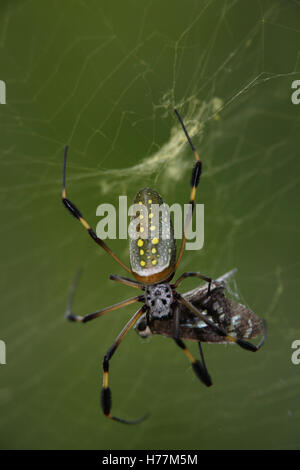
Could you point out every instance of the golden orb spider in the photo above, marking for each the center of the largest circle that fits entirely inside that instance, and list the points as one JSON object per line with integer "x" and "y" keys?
{"x": 163, "y": 306}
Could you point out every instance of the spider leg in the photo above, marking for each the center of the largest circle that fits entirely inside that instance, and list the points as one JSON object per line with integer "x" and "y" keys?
{"x": 194, "y": 183}
{"x": 191, "y": 274}
{"x": 199, "y": 369}
{"x": 77, "y": 214}
{"x": 106, "y": 392}
{"x": 126, "y": 281}
{"x": 203, "y": 360}
{"x": 90, "y": 316}
{"x": 241, "y": 342}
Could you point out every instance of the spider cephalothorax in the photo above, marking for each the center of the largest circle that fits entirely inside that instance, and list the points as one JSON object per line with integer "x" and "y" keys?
{"x": 159, "y": 299}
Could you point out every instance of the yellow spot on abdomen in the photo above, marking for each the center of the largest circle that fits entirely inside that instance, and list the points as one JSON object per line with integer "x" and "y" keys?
{"x": 142, "y": 263}
{"x": 155, "y": 241}
{"x": 154, "y": 262}
{"x": 140, "y": 242}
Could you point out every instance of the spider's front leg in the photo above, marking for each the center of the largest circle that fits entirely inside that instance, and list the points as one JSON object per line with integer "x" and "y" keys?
{"x": 70, "y": 206}
{"x": 106, "y": 392}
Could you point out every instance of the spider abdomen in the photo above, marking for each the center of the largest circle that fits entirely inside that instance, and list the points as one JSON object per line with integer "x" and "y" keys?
{"x": 152, "y": 243}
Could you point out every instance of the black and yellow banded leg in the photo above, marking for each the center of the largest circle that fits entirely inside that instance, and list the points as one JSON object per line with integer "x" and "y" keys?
{"x": 90, "y": 316}
{"x": 83, "y": 319}
{"x": 77, "y": 214}
{"x": 191, "y": 274}
{"x": 194, "y": 183}
{"x": 199, "y": 370}
{"x": 126, "y": 281}
{"x": 220, "y": 331}
{"x": 187, "y": 135}
{"x": 202, "y": 358}
{"x": 106, "y": 392}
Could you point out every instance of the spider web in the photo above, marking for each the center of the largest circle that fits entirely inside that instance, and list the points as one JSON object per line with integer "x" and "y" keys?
{"x": 104, "y": 78}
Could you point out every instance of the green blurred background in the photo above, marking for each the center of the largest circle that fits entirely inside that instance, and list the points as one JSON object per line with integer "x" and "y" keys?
{"x": 104, "y": 77}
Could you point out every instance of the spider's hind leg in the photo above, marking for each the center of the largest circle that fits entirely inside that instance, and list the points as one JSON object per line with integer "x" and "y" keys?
{"x": 203, "y": 363}
{"x": 105, "y": 391}
{"x": 198, "y": 368}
